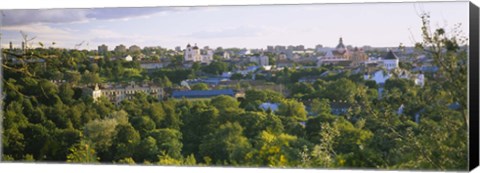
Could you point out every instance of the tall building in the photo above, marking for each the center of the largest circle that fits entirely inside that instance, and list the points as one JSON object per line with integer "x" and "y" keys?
{"x": 270, "y": 49}
{"x": 300, "y": 47}
{"x": 340, "y": 55}
{"x": 102, "y": 49}
{"x": 358, "y": 56}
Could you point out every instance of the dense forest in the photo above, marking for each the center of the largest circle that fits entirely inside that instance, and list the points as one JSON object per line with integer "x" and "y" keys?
{"x": 44, "y": 121}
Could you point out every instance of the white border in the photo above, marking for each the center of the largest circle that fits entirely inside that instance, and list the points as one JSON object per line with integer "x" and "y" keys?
{"x": 35, "y": 4}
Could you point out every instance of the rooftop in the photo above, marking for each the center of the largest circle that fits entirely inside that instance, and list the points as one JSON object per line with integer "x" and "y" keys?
{"x": 391, "y": 55}
{"x": 202, "y": 93}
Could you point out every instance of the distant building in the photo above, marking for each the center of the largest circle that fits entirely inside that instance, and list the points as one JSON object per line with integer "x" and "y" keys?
{"x": 270, "y": 49}
{"x": 226, "y": 55}
{"x": 420, "y": 80}
{"x": 390, "y": 61}
{"x": 318, "y": 48}
{"x": 379, "y": 76}
{"x": 340, "y": 55}
{"x": 195, "y": 94}
{"x": 128, "y": 58}
{"x": 194, "y": 54}
{"x": 280, "y": 49}
{"x": 150, "y": 65}
{"x": 102, "y": 49}
{"x": 118, "y": 93}
{"x": 269, "y": 106}
{"x": 260, "y": 60}
{"x": 207, "y": 55}
{"x": 178, "y": 49}
{"x": 300, "y": 48}
{"x": 358, "y": 57}
{"x": 244, "y": 52}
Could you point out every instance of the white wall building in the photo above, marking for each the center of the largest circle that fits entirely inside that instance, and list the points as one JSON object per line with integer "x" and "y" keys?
{"x": 226, "y": 55}
{"x": 128, "y": 58}
{"x": 390, "y": 61}
{"x": 420, "y": 80}
{"x": 379, "y": 76}
{"x": 192, "y": 53}
{"x": 118, "y": 93}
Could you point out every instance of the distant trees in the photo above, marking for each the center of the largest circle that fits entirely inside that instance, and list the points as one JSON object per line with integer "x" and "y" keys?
{"x": 200, "y": 86}
{"x": 216, "y": 67}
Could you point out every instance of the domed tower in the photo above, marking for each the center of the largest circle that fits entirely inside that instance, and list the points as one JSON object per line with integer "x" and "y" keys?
{"x": 196, "y": 53}
{"x": 188, "y": 53}
{"x": 340, "y": 47}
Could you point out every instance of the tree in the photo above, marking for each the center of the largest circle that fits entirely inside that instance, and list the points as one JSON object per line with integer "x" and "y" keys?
{"x": 66, "y": 93}
{"x": 200, "y": 86}
{"x": 224, "y": 103}
{"x": 226, "y": 144}
{"x": 236, "y": 76}
{"x": 168, "y": 141}
{"x": 341, "y": 89}
{"x": 323, "y": 154}
{"x": 271, "y": 150}
{"x": 82, "y": 153}
{"x": 147, "y": 150}
{"x": 125, "y": 141}
{"x": 293, "y": 109}
{"x": 100, "y": 135}
{"x": 216, "y": 67}
{"x": 143, "y": 124}
{"x": 254, "y": 123}
{"x": 321, "y": 107}
{"x": 449, "y": 52}
{"x": 200, "y": 121}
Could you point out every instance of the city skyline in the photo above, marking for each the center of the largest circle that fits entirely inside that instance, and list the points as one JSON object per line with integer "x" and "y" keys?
{"x": 373, "y": 24}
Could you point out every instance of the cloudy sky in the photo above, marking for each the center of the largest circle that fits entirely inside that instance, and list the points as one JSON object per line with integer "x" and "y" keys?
{"x": 375, "y": 24}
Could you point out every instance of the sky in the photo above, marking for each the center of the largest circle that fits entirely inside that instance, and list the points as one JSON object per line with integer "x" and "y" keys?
{"x": 374, "y": 24}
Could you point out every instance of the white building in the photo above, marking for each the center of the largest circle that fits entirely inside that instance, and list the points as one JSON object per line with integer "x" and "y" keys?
{"x": 96, "y": 93}
{"x": 192, "y": 53}
{"x": 267, "y": 105}
{"x": 208, "y": 56}
{"x": 244, "y": 52}
{"x": 390, "y": 61}
{"x": 378, "y": 76}
{"x": 226, "y": 55}
{"x": 118, "y": 93}
{"x": 420, "y": 80}
{"x": 128, "y": 58}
